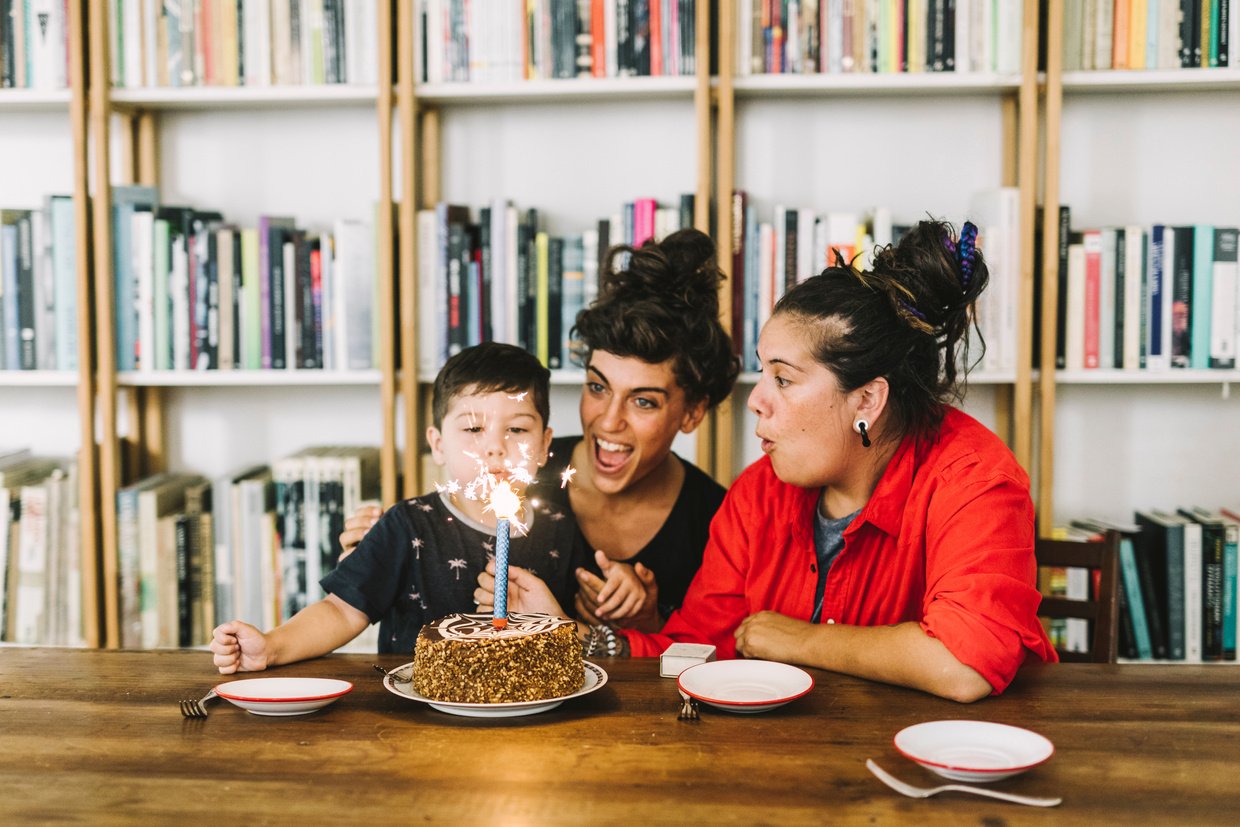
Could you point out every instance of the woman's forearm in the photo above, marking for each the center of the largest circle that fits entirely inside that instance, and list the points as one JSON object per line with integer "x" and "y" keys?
{"x": 901, "y": 654}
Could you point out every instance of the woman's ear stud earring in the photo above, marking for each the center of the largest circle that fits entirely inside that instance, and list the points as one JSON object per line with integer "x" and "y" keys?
{"x": 860, "y": 427}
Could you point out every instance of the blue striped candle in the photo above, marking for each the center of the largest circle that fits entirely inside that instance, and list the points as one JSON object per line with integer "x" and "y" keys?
{"x": 500, "y": 615}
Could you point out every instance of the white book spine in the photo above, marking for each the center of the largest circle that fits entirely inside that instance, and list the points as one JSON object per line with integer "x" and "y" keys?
{"x": 1192, "y": 592}
{"x": 1225, "y": 312}
{"x": 29, "y": 613}
{"x": 502, "y": 288}
{"x": 257, "y": 29}
{"x": 1106, "y": 300}
{"x": 429, "y": 334}
{"x": 807, "y": 221}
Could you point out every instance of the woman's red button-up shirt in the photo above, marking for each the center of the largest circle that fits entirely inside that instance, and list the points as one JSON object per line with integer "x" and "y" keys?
{"x": 945, "y": 540}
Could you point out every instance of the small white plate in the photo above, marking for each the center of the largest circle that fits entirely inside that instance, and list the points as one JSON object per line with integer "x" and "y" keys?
{"x": 283, "y": 696}
{"x": 973, "y": 750}
{"x": 745, "y": 685}
{"x": 595, "y": 677}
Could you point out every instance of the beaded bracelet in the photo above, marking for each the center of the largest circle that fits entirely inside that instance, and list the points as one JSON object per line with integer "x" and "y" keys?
{"x": 601, "y": 640}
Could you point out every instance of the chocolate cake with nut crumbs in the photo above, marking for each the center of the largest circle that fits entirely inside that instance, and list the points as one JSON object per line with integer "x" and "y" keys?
{"x": 463, "y": 658}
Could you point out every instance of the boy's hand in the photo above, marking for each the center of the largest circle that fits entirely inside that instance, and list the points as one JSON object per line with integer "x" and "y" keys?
{"x": 239, "y": 647}
{"x": 356, "y": 526}
{"x": 526, "y": 592}
{"x": 627, "y": 598}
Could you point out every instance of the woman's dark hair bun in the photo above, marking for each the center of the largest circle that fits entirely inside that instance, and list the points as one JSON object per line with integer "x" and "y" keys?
{"x": 660, "y": 302}
{"x": 680, "y": 268}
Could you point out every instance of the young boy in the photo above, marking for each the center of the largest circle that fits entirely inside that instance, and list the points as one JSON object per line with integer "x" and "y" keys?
{"x": 422, "y": 560}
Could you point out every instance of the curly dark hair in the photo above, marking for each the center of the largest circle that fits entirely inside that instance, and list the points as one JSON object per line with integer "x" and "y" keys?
{"x": 663, "y": 305}
{"x": 906, "y": 319}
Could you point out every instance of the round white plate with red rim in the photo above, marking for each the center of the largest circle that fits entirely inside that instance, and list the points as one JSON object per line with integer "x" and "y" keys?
{"x": 396, "y": 683}
{"x": 283, "y": 696}
{"x": 745, "y": 685}
{"x": 973, "y": 750}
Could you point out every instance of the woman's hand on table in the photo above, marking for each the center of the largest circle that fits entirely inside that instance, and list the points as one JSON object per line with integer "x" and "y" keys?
{"x": 627, "y": 597}
{"x": 771, "y": 636}
{"x": 356, "y": 526}
{"x": 239, "y": 647}
{"x": 526, "y": 592}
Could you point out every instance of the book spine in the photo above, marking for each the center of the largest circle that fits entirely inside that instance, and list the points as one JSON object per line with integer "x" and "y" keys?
{"x": 1181, "y": 298}
{"x": 1131, "y": 586}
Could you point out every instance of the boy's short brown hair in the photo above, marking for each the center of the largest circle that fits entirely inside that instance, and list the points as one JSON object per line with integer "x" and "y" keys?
{"x": 490, "y": 367}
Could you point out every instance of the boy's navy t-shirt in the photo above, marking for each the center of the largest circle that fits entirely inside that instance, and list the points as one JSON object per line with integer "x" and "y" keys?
{"x": 421, "y": 561}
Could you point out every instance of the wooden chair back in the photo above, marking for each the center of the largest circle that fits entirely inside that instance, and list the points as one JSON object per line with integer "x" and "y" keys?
{"x": 1102, "y": 609}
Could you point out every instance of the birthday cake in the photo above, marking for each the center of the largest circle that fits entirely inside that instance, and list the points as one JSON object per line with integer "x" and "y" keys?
{"x": 463, "y": 658}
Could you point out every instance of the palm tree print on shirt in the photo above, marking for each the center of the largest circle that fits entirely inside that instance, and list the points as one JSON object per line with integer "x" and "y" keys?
{"x": 457, "y": 564}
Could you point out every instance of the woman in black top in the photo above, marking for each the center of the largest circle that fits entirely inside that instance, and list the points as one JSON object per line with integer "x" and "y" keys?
{"x": 656, "y": 359}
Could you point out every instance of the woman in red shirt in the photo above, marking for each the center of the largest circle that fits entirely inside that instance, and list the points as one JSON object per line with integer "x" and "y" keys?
{"x": 885, "y": 534}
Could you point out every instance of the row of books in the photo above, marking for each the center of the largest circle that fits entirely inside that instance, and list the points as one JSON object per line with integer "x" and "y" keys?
{"x": 1149, "y": 34}
{"x": 503, "y": 277}
{"x": 194, "y": 292}
{"x": 253, "y": 545}
{"x": 242, "y": 42}
{"x": 770, "y": 257}
{"x": 1178, "y": 585}
{"x": 1155, "y": 297}
{"x": 489, "y": 41}
{"x": 34, "y": 44}
{"x": 38, "y": 287}
{"x": 40, "y": 550}
{"x": 877, "y": 36}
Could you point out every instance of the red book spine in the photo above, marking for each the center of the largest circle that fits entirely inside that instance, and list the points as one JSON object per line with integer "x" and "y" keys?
{"x": 1093, "y": 277}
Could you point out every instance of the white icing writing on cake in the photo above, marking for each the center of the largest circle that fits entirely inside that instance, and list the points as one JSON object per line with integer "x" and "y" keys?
{"x": 479, "y": 626}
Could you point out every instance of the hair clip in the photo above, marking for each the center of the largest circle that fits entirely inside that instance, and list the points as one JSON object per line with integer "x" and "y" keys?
{"x": 966, "y": 252}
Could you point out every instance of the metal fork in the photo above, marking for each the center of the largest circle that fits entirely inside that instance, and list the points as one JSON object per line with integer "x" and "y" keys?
{"x": 197, "y": 709}
{"x": 401, "y": 675}
{"x": 688, "y": 708}
{"x": 925, "y": 792}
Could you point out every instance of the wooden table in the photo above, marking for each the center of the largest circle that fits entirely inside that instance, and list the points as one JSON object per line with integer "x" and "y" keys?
{"x": 97, "y": 737}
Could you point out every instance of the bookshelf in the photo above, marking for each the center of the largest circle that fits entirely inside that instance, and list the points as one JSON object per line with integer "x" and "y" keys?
{"x": 1134, "y": 147}
{"x": 43, "y": 151}
{"x": 913, "y": 142}
{"x": 470, "y": 143}
{"x": 315, "y": 152}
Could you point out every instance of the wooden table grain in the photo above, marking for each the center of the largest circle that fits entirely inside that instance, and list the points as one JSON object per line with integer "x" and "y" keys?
{"x": 96, "y": 737}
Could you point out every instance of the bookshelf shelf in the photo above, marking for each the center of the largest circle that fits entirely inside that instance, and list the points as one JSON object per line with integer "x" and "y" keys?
{"x": 33, "y": 100}
{"x": 242, "y": 378}
{"x": 242, "y": 97}
{"x": 38, "y": 379}
{"x": 1119, "y": 80}
{"x": 570, "y": 90}
{"x": 980, "y": 378}
{"x": 946, "y": 83}
{"x": 1138, "y": 377}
